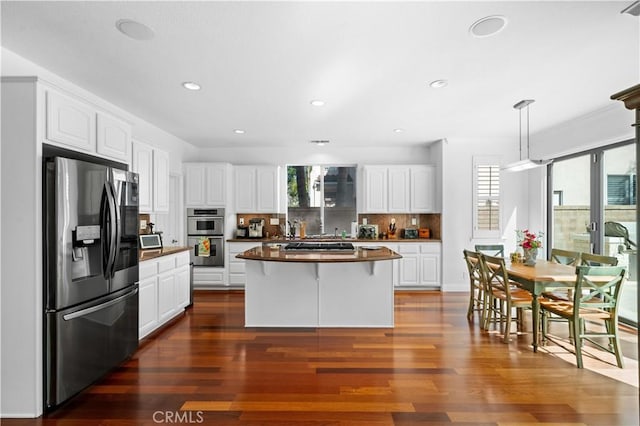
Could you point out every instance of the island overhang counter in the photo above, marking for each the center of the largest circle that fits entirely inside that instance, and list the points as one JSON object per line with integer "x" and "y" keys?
{"x": 319, "y": 288}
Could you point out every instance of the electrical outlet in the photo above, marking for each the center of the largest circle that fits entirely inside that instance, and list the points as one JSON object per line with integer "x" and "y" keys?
{"x": 241, "y": 221}
{"x": 414, "y": 221}
{"x": 364, "y": 220}
{"x": 143, "y": 224}
{"x": 274, "y": 221}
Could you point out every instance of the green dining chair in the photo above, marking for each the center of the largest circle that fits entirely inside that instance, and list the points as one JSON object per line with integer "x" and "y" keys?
{"x": 596, "y": 296}
{"x": 477, "y": 293}
{"x": 503, "y": 296}
{"x": 589, "y": 259}
{"x": 565, "y": 257}
{"x": 490, "y": 249}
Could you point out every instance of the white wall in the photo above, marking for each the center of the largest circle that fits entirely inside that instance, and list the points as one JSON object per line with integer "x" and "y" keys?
{"x": 308, "y": 153}
{"x": 457, "y": 209}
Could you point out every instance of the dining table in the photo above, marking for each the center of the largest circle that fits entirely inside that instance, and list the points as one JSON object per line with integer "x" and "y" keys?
{"x": 536, "y": 279}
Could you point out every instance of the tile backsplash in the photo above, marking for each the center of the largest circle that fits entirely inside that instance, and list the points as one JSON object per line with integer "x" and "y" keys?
{"x": 403, "y": 221}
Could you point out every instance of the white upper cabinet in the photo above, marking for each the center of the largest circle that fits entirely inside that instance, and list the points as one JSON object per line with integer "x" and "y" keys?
{"x": 142, "y": 163}
{"x": 257, "y": 189}
{"x": 206, "y": 184}
{"x": 267, "y": 189}
{"x": 114, "y": 137}
{"x": 399, "y": 201}
{"x": 216, "y": 185}
{"x": 152, "y": 166}
{"x": 80, "y": 125}
{"x": 160, "y": 181}
{"x": 398, "y": 189}
{"x": 70, "y": 122}
{"x": 423, "y": 189}
{"x": 375, "y": 189}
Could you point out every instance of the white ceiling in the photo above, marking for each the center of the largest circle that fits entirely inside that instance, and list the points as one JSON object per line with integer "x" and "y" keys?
{"x": 261, "y": 63}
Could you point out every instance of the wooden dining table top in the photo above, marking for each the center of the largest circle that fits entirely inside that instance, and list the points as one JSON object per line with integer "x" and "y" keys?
{"x": 543, "y": 270}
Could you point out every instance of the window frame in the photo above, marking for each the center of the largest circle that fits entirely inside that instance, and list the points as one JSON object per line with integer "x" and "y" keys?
{"x": 486, "y": 161}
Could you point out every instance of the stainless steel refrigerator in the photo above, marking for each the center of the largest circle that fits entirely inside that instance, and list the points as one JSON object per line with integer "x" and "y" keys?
{"x": 91, "y": 273}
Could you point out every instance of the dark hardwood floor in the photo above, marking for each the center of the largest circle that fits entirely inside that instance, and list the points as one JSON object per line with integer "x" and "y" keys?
{"x": 432, "y": 368}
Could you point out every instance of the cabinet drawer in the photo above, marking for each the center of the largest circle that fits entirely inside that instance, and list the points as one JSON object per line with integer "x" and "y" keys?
{"x": 430, "y": 248}
{"x": 237, "y": 279}
{"x": 166, "y": 263}
{"x": 237, "y": 267}
{"x": 147, "y": 269}
{"x": 208, "y": 276}
{"x": 182, "y": 259}
{"x": 408, "y": 248}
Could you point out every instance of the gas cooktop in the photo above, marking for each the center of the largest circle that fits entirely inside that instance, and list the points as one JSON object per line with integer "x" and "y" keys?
{"x": 320, "y": 246}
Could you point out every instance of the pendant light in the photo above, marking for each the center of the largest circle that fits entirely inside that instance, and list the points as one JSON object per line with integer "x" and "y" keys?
{"x": 527, "y": 163}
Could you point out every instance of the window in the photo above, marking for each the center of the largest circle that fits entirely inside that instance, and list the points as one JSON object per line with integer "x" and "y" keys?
{"x": 487, "y": 215}
{"x": 323, "y": 197}
{"x": 621, "y": 190}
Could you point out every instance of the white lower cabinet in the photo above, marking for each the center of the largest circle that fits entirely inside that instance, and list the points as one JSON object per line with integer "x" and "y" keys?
{"x": 237, "y": 273}
{"x": 420, "y": 265}
{"x": 163, "y": 290}
{"x": 394, "y": 247}
{"x": 208, "y": 277}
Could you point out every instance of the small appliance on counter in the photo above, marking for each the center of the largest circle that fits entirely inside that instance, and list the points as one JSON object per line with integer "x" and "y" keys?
{"x": 242, "y": 231}
{"x": 424, "y": 233}
{"x": 256, "y": 227}
{"x": 410, "y": 233}
{"x": 368, "y": 232}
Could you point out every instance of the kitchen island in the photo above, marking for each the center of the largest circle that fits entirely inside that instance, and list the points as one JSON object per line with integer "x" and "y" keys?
{"x": 319, "y": 287}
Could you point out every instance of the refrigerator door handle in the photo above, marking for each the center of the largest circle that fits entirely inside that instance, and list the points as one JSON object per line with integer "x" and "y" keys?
{"x": 117, "y": 232}
{"x": 87, "y": 311}
{"x": 109, "y": 215}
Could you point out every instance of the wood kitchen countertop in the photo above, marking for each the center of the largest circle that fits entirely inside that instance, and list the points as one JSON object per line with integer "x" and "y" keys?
{"x": 149, "y": 254}
{"x": 278, "y": 255}
{"x": 336, "y": 240}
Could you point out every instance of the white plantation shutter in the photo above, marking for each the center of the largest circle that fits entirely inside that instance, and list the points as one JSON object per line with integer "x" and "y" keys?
{"x": 487, "y": 214}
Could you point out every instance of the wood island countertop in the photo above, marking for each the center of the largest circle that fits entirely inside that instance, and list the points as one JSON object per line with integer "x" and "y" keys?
{"x": 165, "y": 251}
{"x": 278, "y": 255}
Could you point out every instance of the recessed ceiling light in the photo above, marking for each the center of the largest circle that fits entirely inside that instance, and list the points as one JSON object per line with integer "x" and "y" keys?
{"x": 320, "y": 142}
{"x": 488, "y": 26}
{"x": 437, "y": 84}
{"x": 398, "y": 130}
{"x": 190, "y": 85}
{"x": 317, "y": 102}
{"x": 238, "y": 131}
{"x": 134, "y": 29}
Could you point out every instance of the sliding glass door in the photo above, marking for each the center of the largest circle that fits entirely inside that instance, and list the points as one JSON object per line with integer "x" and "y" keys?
{"x": 592, "y": 201}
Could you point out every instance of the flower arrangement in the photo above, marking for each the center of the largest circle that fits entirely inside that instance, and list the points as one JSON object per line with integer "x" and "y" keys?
{"x": 528, "y": 240}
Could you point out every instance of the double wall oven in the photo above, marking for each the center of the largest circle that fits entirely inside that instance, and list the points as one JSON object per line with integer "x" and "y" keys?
{"x": 205, "y": 236}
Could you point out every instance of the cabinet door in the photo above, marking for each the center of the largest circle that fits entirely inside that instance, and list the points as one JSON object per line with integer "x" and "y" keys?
{"x": 422, "y": 189}
{"x": 70, "y": 122}
{"x": 245, "y": 189}
{"x": 166, "y": 296}
{"x": 195, "y": 184}
{"x": 398, "y": 190}
{"x": 267, "y": 189}
{"x": 113, "y": 137}
{"x": 160, "y": 181}
{"x": 182, "y": 287}
{"x": 216, "y": 186}
{"x": 430, "y": 270}
{"x": 409, "y": 272}
{"x": 142, "y": 163}
{"x": 375, "y": 189}
{"x": 148, "y": 305}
